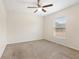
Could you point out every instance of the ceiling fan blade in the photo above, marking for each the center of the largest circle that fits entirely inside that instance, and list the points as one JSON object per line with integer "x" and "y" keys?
{"x": 43, "y": 10}
{"x": 35, "y": 11}
{"x": 38, "y": 3}
{"x": 32, "y": 7}
{"x": 49, "y": 5}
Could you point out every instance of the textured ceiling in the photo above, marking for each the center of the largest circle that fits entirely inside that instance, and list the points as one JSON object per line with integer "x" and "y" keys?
{"x": 21, "y": 5}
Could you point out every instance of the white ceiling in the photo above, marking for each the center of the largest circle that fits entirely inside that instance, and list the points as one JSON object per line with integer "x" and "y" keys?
{"x": 21, "y": 5}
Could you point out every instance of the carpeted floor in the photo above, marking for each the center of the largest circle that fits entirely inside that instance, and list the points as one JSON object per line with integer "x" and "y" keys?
{"x": 40, "y": 49}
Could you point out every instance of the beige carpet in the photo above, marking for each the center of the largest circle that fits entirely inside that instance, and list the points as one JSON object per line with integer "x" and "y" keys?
{"x": 41, "y": 49}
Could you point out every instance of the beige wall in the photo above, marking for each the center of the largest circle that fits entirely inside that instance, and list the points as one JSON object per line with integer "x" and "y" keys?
{"x": 24, "y": 27}
{"x": 72, "y": 31}
{"x": 3, "y": 40}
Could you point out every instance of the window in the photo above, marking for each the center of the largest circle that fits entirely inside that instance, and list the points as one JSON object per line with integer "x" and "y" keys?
{"x": 60, "y": 27}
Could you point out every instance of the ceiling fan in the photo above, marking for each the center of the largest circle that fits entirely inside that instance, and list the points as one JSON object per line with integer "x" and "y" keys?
{"x": 39, "y": 6}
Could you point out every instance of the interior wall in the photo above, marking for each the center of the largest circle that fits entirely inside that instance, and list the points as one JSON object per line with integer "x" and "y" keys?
{"x": 24, "y": 27}
{"x": 3, "y": 27}
{"x": 72, "y": 27}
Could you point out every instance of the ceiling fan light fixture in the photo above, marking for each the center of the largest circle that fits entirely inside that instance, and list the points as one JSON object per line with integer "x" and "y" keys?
{"x": 40, "y": 7}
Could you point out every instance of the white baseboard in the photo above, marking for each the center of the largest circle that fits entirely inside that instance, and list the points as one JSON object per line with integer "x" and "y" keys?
{"x": 2, "y": 48}
{"x": 64, "y": 44}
